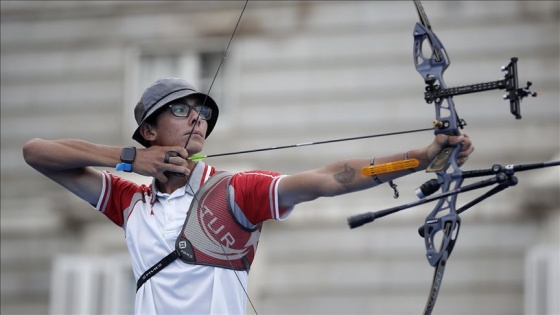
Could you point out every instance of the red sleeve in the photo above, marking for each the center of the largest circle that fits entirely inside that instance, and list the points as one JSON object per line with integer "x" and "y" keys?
{"x": 256, "y": 194}
{"x": 118, "y": 196}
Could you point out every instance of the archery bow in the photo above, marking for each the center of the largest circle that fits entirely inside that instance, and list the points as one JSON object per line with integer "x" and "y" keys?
{"x": 432, "y": 71}
{"x": 444, "y": 218}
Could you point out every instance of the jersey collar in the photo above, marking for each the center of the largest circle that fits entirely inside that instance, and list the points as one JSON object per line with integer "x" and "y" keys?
{"x": 200, "y": 173}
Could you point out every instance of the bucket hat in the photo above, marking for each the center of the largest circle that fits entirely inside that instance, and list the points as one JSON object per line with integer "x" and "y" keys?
{"x": 163, "y": 92}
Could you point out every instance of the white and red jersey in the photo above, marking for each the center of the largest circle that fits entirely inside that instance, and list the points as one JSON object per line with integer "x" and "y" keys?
{"x": 152, "y": 221}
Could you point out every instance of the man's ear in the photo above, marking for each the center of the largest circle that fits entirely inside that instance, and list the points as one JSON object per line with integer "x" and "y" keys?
{"x": 148, "y": 132}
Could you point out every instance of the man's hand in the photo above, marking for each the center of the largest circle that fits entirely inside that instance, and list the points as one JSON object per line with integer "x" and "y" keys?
{"x": 441, "y": 141}
{"x": 152, "y": 162}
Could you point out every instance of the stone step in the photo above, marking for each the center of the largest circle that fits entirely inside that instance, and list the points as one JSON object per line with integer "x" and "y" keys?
{"x": 392, "y": 240}
{"x": 479, "y": 300}
{"x": 399, "y": 275}
{"x": 25, "y": 304}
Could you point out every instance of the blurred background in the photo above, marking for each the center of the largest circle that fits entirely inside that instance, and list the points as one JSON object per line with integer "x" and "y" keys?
{"x": 296, "y": 71}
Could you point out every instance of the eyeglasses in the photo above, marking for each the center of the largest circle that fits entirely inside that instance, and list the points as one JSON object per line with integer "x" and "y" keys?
{"x": 184, "y": 110}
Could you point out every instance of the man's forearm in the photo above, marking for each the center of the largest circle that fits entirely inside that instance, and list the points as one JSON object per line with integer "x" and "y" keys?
{"x": 65, "y": 154}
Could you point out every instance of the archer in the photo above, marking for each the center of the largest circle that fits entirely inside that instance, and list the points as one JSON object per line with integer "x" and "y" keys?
{"x": 192, "y": 234}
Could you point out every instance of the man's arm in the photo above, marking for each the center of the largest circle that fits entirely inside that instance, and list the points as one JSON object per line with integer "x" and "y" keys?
{"x": 344, "y": 176}
{"x": 71, "y": 162}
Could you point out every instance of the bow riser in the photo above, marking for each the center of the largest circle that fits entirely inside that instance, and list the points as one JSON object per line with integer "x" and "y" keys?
{"x": 444, "y": 218}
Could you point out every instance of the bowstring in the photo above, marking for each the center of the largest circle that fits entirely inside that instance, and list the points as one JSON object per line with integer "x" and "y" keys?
{"x": 217, "y": 71}
{"x": 189, "y": 138}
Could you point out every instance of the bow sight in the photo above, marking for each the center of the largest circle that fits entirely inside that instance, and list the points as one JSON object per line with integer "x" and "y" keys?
{"x": 508, "y": 83}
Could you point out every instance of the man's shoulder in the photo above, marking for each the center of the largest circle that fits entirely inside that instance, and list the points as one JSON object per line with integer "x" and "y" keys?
{"x": 128, "y": 184}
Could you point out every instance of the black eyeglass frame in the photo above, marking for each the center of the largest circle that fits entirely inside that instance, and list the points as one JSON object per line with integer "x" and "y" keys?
{"x": 200, "y": 109}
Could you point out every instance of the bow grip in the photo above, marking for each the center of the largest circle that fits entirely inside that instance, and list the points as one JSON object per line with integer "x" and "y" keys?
{"x": 441, "y": 160}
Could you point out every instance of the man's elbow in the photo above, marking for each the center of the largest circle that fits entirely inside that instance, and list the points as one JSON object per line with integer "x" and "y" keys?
{"x": 32, "y": 151}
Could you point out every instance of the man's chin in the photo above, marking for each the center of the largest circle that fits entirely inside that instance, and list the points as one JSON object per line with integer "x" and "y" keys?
{"x": 194, "y": 147}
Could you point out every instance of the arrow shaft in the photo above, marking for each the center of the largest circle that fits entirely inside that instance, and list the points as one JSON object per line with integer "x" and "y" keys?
{"x": 320, "y": 142}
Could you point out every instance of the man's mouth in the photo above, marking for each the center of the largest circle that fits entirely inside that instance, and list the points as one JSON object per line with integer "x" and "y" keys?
{"x": 195, "y": 133}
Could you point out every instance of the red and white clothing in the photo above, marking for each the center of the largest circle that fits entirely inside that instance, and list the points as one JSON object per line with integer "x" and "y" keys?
{"x": 152, "y": 220}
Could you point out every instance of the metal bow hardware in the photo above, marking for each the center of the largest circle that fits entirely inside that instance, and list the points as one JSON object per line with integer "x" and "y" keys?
{"x": 444, "y": 221}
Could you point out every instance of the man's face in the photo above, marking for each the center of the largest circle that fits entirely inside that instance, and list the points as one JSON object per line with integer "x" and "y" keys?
{"x": 182, "y": 121}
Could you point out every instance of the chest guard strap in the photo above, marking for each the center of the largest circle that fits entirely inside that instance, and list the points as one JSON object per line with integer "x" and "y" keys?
{"x": 211, "y": 234}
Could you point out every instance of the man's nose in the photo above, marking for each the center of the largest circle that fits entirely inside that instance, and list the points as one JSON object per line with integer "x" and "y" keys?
{"x": 194, "y": 119}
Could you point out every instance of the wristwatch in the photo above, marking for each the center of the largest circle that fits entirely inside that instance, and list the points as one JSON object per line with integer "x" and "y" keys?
{"x": 128, "y": 155}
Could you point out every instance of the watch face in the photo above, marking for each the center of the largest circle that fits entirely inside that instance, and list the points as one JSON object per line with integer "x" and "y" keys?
{"x": 128, "y": 154}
